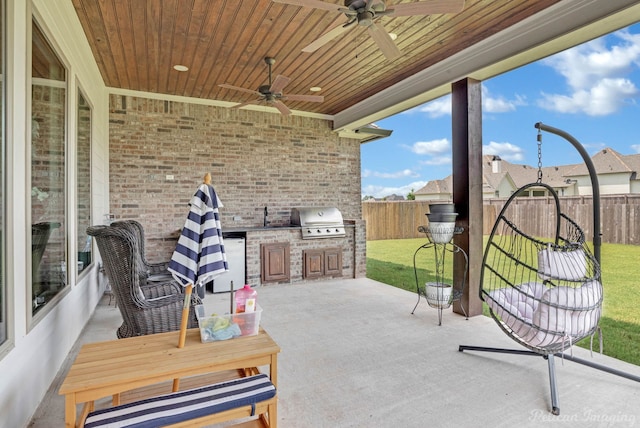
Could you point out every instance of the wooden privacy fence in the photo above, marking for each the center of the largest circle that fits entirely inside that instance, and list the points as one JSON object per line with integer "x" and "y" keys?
{"x": 619, "y": 216}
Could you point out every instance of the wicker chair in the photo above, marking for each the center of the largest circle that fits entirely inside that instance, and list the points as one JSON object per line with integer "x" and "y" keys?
{"x": 146, "y": 308}
{"x": 137, "y": 230}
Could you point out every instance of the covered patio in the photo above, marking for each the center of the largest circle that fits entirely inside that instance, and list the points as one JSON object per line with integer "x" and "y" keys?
{"x": 354, "y": 356}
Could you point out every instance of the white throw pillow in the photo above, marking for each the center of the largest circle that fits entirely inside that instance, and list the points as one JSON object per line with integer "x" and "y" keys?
{"x": 562, "y": 312}
{"x": 564, "y": 265}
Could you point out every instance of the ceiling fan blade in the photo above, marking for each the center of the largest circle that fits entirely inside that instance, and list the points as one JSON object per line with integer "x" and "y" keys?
{"x": 384, "y": 41}
{"x": 246, "y": 103}
{"x": 278, "y": 84}
{"x": 236, "y": 88}
{"x": 328, "y": 36}
{"x": 427, "y": 7}
{"x": 316, "y": 4}
{"x": 369, "y": 4}
{"x": 283, "y": 108}
{"x": 307, "y": 98}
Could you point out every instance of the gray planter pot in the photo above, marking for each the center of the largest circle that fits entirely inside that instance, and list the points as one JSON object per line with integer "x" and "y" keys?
{"x": 441, "y": 208}
{"x": 442, "y": 217}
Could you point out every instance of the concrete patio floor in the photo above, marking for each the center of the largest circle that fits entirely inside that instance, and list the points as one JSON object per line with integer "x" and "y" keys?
{"x": 353, "y": 355}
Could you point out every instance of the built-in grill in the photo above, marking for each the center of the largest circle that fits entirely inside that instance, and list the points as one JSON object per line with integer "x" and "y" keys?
{"x": 318, "y": 222}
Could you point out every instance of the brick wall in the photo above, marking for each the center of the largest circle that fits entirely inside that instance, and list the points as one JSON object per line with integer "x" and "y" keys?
{"x": 48, "y": 155}
{"x": 256, "y": 159}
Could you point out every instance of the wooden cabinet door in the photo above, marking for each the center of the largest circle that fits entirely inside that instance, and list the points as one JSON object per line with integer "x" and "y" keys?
{"x": 313, "y": 263}
{"x": 322, "y": 262}
{"x": 333, "y": 262}
{"x": 275, "y": 262}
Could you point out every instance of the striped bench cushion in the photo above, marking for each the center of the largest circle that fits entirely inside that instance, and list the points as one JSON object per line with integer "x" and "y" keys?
{"x": 185, "y": 405}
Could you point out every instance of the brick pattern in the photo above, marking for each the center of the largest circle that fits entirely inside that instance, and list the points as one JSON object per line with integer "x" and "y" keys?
{"x": 48, "y": 166}
{"x": 83, "y": 171}
{"x": 297, "y": 248}
{"x": 160, "y": 151}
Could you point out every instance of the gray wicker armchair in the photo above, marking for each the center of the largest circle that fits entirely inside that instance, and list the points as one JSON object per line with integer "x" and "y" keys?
{"x": 137, "y": 230}
{"x": 146, "y": 308}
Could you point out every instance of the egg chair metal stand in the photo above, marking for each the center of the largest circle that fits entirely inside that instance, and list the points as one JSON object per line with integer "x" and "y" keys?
{"x": 544, "y": 293}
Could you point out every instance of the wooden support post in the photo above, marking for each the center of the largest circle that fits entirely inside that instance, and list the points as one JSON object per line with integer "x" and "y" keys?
{"x": 466, "y": 118}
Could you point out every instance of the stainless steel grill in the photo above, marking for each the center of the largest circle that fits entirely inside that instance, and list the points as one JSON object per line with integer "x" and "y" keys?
{"x": 318, "y": 222}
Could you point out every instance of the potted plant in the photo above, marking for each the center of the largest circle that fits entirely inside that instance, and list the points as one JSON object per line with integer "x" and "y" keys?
{"x": 439, "y": 294}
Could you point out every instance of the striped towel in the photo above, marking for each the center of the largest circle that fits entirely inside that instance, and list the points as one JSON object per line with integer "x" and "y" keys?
{"x": 199, "y": 255}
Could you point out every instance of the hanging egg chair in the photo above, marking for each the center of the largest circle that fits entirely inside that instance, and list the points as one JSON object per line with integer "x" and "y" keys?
{"x": 544, "y": 293}
{"x": 544, "y": 289}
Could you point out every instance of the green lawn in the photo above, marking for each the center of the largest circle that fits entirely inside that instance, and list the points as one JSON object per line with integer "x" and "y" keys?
{"x": 391, "y": 262}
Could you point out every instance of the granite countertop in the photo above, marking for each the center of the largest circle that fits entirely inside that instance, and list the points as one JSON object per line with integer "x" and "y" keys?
{"x": 347, "y": 223}
{"x": 256, "y": 228}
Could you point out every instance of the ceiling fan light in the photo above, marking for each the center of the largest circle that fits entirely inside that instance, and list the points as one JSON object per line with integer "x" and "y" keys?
{"x": 180, "y": 67}
{"x": 393, "y": 36}
{"x": 315, "y": 89}
{"x": 365, "y": 18}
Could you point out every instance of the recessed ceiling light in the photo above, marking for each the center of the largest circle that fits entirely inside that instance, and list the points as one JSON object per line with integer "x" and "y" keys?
{"x": 393, "y": 36}
{"x": 315, "y": 89}
{"x": 181, "y": 67}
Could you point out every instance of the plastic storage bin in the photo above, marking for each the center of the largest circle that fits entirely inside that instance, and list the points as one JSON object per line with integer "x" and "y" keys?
{"x": 228, "y": 326}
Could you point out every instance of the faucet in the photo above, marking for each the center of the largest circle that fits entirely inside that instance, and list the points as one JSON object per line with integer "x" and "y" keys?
{"x": 266, "y": 214}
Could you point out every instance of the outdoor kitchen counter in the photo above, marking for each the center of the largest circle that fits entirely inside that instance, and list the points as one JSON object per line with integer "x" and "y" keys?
{"x": 277, "y": 253}
{"x": 243, "y": 229}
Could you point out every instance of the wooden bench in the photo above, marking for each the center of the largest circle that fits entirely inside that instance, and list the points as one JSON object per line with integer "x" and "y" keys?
{"x": 219, "y": 402}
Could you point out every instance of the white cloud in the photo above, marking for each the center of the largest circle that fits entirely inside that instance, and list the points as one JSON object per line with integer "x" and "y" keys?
{"x": 439, "y": 151}
{"x": 595, "y": 75}
{"x": 635, "y": 148}
{"x": 397, "y": 174}
{"x": 585, "y": 64}
{"x": 437, "y": 108}
{"x": 506, "y": 151}
{"x": 605, "y": 97}
{"x": 432, "y": 148}
{"x": 499, "y": 104}
{"x": 382, "y": 191}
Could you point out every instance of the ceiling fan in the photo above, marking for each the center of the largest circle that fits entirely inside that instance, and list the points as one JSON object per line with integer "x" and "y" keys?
{"x": 272, "y": 93}
{"x": 364, "y": 12}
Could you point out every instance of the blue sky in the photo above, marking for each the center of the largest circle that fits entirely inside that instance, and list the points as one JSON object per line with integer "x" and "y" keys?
{"x": 591, "y": 91}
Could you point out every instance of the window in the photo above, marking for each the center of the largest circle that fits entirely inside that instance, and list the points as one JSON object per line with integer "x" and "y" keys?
{"x": 48, "y": 167}
{"x": 83, "y": 182}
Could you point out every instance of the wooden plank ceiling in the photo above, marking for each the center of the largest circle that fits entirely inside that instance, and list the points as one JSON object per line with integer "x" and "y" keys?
{"x": 136, "y": 44}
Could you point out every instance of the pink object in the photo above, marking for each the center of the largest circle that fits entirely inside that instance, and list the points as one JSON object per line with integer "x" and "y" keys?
{"x": 246, "y": 299}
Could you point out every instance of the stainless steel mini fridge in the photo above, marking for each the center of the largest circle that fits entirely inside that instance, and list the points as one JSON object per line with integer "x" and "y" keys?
{"x": 235, "y": 250}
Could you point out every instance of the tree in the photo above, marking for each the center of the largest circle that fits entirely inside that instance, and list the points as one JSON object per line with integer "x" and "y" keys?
{"x": 411, "y": 196}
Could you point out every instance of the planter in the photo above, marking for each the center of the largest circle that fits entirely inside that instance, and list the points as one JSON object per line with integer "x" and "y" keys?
{"x": 441, "y": 233}
{"x": 442, "y": 217}
{"x": 442, "y": 224}
{"x": 441, "y": 208}
{"x": 439, "y": 295}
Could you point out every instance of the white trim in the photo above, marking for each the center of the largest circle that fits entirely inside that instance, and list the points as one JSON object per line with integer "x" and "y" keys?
{"x": 207, "y": 102}
{"x": 566, "y": 24}
{"x": 41, "y": 22}
{"x": 49, "y": 83}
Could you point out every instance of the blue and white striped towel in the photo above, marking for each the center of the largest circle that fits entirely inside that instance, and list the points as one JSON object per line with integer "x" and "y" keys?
{"x": 199, "y": 255}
